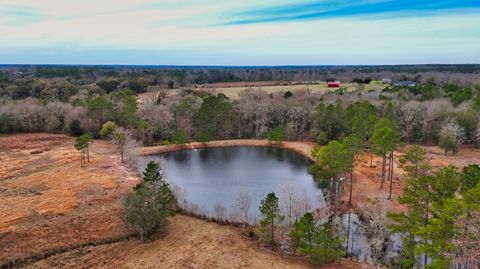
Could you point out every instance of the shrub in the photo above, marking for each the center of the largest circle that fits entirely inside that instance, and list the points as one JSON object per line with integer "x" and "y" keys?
{"x": 75, "y": 128}
{"x": 447, "y": 143}
{"x": 107, "y": 129}
{"x": 180, "y": 138}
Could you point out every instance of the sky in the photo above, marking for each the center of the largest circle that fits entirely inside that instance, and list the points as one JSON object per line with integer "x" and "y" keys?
{"x": 246, "y": 32}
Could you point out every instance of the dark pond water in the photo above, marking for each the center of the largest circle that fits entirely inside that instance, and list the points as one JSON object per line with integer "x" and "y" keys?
{"x": 217, "y": 175}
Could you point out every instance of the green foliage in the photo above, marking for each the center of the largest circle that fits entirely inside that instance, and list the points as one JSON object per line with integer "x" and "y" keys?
{"x": 108, "y": 85}
{"x": 423, "y": 195}
{"x": 361, "y": 118}
{"x": 180, "y": 138}
{"x": 320, "y": 137}
{"x": 203, "y": 137}
{"x": 469, "y": 121}
{"x": 440, "y": 232}
{"x": 125, "y": 102}
{"x": 447, "y": 143}
{"x": 287, "y": 94}
{"x": 75, "y": 128}
{"x": 270, "y": 217}
{"x": 384, "y": 139}
{"x": 330, "y": 161}
{"x": 277, "y": 135}
{"x": 215, "y": 116}
{"x": 83, "y": 141}
{"x": 108, "y": 129}
{"x": 413, "y": 162}
{"x": 469, "y": 177}
{"x": 147, "y": 207}
{"x": 330, "y": 120}
{"x": 152, "y": 173}
{"x": 457, "y": 94}
{"x": 316, "y": 241}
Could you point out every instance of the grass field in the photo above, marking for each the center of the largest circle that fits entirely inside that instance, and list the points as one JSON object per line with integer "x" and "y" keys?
{"x": 232, "y": 90}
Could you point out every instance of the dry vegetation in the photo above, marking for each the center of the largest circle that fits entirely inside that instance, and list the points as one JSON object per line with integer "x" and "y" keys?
{"x": 63, "y": 216}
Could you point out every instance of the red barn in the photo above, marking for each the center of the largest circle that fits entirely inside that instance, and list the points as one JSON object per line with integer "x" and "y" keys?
{"x": 335, "y": 84}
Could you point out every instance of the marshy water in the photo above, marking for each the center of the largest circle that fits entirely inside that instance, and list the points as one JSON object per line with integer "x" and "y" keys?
{"x": 215, "y": 176}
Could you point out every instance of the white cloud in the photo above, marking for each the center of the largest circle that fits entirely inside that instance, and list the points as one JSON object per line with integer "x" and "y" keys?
{"x": 192, "y": 27}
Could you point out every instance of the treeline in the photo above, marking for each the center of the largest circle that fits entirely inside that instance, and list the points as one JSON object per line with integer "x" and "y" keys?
{"x": 449, "y": 117}
{"x": 53, "y": 82}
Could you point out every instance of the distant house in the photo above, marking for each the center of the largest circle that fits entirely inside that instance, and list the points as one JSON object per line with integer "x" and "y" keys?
{"x": 334, "y": 84}
{"x": 386, "y": 81}
{"x": 407, "y": 83}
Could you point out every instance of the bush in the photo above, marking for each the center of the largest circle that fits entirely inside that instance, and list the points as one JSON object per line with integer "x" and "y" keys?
{"x": 75, "y": 128}
{"x": 107, "y": 129}
{"x": 180, "y": 138}
{"x": 287, "y": 94}
{"x": 277, "y": 135}
{"x": 203, "y": 137}
{"x": 447, "y": 143}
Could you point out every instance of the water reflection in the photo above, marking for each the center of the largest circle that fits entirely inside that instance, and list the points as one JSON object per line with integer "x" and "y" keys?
{"x": 213, "y": 175}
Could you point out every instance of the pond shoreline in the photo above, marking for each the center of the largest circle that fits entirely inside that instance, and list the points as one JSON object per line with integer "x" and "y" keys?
{"x": 301, "y": 147}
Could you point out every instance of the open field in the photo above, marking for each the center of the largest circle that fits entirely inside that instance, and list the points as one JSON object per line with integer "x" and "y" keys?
{"x": 232, "y": 89}
{"x": 63, "y": 216}
{"x": 232, "y": 92}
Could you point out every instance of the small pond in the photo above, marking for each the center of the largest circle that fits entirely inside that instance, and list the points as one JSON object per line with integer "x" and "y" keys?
{"x": 214, "y": 176}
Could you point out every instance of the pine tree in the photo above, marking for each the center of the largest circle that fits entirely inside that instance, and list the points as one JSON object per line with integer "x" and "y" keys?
{"x": 270, "y": 217}
{"x": 316, "y": 241}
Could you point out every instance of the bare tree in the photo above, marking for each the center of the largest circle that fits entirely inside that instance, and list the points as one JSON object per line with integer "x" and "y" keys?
{"x": 244, "y": 203}
{"x": 454, "y": 130}
{"x": 219, "y": 211}
{"x": 375, "y": 225}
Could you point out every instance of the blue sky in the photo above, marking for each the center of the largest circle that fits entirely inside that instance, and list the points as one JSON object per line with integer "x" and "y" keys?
{"x": 248, "y": 32}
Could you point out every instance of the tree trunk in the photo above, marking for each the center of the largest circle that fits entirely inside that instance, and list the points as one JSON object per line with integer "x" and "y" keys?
{"x": 351, "y": 188}
{"x": 348, "y": 234}
{"x": 272, "y": 242}
{"x": 371, "y": 158}
{"x": 88, "y": 153}
{"x": 383, "y": 172}
{"x": 391, "y": 176}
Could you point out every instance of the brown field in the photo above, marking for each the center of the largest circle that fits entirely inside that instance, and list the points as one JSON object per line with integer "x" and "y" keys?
{"x": 61, "y": 215}
{"x": 56, "y": 214}
{"x": 232, "y": 89}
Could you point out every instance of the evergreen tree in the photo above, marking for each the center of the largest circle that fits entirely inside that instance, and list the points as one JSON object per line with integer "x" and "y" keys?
{"x": 419, "y": 194}
{"x": 330, "y": 161}
{"x": 384, "y": 141}
{"x": 270, "y": 217}
{"x": 316, "y": 241}
{"x": 353, "y": 146}
{"x": 413, "y": 162}
{"x": 147, "y": 207}
{"x": 469, "y": 177}
{"x": 180, "y": 138}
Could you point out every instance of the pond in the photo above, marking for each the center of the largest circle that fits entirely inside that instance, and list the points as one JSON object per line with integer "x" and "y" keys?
{"x": 212, "y": 178}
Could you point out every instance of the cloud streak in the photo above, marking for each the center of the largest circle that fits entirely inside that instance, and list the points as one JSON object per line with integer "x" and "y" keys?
{"x": 312, "y": 10}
